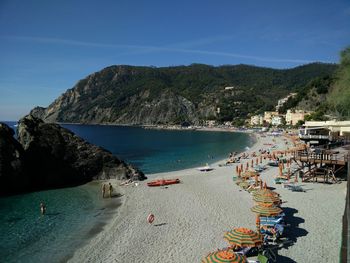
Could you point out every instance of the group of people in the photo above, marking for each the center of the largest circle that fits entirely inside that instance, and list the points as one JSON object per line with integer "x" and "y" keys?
{"x": 107, "y": 187}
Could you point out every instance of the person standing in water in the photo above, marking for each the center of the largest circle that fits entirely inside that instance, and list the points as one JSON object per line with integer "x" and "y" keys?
{"x": 103, "y": 190}
{"x": 42, "y": 208}
{"x": 110, "y": 189}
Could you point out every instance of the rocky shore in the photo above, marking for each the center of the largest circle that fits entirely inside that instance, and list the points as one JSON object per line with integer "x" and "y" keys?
{"x": 47, "y": 156}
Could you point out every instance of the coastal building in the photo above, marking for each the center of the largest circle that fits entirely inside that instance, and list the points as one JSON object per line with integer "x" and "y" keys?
{"x": 256, "y": 120}
{"x": 229, "y": 88}
{"x": 277, "y": 120}
{"x": 321, "y": 132}
{"x": 282, "y": 101}
{"x": 268, "y": 116}
{"x": 294, "y": 116}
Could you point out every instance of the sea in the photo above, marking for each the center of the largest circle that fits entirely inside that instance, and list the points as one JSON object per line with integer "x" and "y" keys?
{"x": 74, "y": 215}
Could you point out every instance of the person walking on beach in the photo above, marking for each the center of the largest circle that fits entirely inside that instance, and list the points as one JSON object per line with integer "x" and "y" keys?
{"x": 103, "y": 190}
{"x": 42, "y": 208}
{"x": 110, "y": 189}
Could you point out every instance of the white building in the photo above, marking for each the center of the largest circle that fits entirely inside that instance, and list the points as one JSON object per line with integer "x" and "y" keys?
{"x": 256, "y": 120}
{"x": 281, "y": 102}
{"x": 268, "y": 116}
{"x": 277, "y": 120}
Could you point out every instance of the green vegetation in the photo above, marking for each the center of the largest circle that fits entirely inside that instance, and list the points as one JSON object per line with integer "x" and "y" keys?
{"x": 339, "y": 96}
{"x": 185, "y": 93}
{"x": 328, "y": 96}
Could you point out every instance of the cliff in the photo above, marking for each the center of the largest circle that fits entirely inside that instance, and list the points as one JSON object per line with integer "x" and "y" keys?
{"x": 49, "y": 156}
{"x": 12, "y": 176}
{"x": 172, "y": 95}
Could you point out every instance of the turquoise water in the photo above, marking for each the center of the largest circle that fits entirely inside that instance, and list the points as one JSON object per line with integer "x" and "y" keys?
{"x": 75, "y": 214}
{"x": 71, "y": 215}
{"x": 155, "y": 151}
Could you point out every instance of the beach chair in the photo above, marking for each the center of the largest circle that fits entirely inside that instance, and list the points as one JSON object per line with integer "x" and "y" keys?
{"x": 270, "y": 221}
{"x": 262, "y": 259}
{"x": 296, "y": 188}
{"x": 280, "y": 180}
{"x": 244, "y": 251}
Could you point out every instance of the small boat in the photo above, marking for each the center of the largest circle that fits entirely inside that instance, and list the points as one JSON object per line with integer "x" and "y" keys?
{"x": 205, "y": 168}
{"x": 162, "y": 182}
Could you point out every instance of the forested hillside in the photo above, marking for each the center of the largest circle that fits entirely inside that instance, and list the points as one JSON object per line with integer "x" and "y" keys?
{"x": 172, "y": 95}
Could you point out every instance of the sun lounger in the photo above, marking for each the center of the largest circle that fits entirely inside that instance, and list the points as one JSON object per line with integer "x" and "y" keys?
{"x": 295, "y": 188}
{"x": 262, "y": 259}
{"x": 244, "y": 251}
{"x": 280, "y": 180}
{"x": 270, "y": 221}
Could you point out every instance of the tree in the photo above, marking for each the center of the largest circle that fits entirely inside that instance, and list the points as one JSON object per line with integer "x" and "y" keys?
{"x": 339, "y": 98}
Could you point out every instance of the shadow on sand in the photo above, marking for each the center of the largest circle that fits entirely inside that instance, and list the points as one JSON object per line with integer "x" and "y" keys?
{"x": 292, "y": 232}
{"x": 160, "y": 224}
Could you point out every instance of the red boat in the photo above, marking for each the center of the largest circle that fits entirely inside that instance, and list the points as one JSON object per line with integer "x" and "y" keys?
{"x": 162, "y": 182}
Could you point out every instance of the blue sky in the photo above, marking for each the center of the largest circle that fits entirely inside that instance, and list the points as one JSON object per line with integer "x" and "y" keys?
{"x": 47, "y": 46}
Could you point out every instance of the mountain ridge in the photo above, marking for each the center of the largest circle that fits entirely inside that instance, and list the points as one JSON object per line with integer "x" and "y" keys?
{"x": 139, "y": 95}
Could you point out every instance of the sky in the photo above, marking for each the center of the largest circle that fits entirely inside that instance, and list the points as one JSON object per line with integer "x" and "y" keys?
{"x": 46, "y": 47}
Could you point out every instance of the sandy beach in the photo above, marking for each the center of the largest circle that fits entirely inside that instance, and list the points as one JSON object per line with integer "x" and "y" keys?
{"x": 191, "y": 218}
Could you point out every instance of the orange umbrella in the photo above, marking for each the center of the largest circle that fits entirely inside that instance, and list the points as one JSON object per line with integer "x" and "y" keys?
{"x": 264, "y": 210}
{"x": 265, "y": 199}
{"x": 224, "y": 256}
{"x": 243, "y": 237}
{"x": 266, "y": 192}
{"x": 280, "y": 169}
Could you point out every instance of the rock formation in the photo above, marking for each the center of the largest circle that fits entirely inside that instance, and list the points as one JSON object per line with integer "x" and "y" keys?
{"x": 12, "y": 177}
{"x": 51, "y": 157}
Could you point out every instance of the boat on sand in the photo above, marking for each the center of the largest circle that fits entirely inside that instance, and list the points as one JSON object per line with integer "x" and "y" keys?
{"x": 162, "y": 182}
{"x": 205, "y": 168}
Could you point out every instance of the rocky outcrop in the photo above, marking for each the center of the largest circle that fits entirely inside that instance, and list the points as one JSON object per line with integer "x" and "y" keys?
{"x": 50, "y": 156}
{"x": 12, "y": 177}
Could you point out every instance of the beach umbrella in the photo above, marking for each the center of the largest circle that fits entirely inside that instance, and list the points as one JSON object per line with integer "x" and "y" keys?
{"x": 296, "y": 179}
{"x": 243, "y": 237}
{"x": 266, "y": 192}
{"x": 224, "y": 256}
{"x": 266, "y": 199}
{"x": 264, "y": 210}
{"x": 280, "y": 169}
